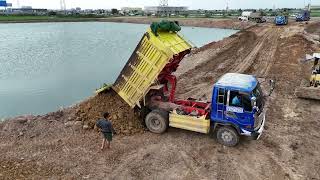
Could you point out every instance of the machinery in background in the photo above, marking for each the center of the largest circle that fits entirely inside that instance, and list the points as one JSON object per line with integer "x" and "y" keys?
{"x": 312, "y": 91}
{"x": 252, "y": 16}
{"x": 303, "y": 16}
{"x": 282, "y": 18}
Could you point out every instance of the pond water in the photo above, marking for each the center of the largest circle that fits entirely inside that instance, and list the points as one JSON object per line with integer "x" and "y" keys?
{"x": 44, "y": 66}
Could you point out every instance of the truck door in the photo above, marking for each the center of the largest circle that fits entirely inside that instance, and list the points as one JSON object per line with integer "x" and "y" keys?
{"x": 238, "y": 108}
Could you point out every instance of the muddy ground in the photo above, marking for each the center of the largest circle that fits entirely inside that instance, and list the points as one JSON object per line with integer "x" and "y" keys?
{"x": 61, "y": 145}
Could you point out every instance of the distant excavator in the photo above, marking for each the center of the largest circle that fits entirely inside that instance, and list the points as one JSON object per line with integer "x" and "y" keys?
{"x": 313, "y": 91}
{"x": 315, "y": 76}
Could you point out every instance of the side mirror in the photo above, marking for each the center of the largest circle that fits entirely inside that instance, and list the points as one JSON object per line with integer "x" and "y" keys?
{"x": 255, "y": 108}
{"x": 253, "y": 101}
{"x": 272, "y": 84}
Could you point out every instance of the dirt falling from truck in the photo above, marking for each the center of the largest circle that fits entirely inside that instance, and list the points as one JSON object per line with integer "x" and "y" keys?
{"x": 124, "y": 119}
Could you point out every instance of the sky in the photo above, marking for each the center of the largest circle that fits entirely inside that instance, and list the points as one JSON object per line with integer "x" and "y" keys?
{"x": 192, "y": 4}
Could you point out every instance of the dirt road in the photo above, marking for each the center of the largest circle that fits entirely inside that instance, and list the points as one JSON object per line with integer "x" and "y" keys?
{"x": 49, "y": 147}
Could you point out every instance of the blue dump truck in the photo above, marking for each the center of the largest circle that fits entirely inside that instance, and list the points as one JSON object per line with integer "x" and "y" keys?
{"x": 303, "y": 16}
{"x": 281, "y": 20}
{"x": 148, "y": 84}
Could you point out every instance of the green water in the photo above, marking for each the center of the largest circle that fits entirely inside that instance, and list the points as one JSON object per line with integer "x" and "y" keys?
{"x": 44, "y": 66}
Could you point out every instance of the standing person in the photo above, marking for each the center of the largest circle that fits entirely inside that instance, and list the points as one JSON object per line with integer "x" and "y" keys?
{"x": 106, "y": 128}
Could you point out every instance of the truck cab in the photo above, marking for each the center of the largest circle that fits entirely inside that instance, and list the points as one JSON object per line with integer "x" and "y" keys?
{"x": 303, "y": 16}
{"x": 281, "y": 20}
{"x": 238, "y": 102}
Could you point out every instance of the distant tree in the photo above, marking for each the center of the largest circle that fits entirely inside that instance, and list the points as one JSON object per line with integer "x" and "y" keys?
{"x": 52, "y": 13}
{"x": 270, "y": 10}
{"x": 114, "y": 11}
{"x": 263, "y": 13}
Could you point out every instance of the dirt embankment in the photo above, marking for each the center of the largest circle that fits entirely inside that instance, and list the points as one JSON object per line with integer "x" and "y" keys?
{"x": 313, "y": 28}
{"x": 59, "y": 146}
{"x": 196, "y": 22}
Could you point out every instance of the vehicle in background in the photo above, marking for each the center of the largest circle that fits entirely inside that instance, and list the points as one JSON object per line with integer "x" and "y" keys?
{"x": 281, "y": 20}
{"x": 311, "y": 91}
{"x": 303, "y": 16}
{"x": 244, "y": 16}
{"x": 252, "y": 16}
{"x": 257, "y": 17}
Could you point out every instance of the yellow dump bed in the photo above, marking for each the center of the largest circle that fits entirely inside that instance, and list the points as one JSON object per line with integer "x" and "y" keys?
{"x": 146, "y": 63}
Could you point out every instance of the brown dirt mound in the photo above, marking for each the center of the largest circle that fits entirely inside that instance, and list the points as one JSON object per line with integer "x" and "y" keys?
{"x": 313, "y": 28}
{"x": 124, "y": 119}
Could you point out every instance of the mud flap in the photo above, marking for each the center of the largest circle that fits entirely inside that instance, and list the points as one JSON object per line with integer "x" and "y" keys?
{"x": 261, "y": 128}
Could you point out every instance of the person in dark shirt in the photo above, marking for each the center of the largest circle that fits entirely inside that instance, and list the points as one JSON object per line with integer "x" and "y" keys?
{"x": 106, "y": 129}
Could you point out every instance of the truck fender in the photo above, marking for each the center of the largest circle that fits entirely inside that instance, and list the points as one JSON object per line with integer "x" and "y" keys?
{"x": 217, "y": 125}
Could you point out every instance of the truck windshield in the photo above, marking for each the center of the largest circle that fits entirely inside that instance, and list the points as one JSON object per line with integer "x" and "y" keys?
{"x": 257, "y": 92}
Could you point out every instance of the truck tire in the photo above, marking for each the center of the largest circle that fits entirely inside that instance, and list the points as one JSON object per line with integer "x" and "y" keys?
{"x": 157, "y": 121}
{"x": 227, "y": 136}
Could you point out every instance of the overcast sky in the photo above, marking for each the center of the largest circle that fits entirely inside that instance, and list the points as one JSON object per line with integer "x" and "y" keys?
{"x": 192, "y": 4}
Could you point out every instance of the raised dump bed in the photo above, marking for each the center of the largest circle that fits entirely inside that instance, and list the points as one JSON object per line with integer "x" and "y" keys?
{"x": 147, "y": 62}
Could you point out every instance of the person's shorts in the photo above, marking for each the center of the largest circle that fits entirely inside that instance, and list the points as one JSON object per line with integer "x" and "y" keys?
{"x": 107, "y": 136}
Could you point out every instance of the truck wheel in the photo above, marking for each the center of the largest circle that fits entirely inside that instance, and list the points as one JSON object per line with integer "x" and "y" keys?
{"x": 157, "y": 121}
{"x": 227, "y": 136}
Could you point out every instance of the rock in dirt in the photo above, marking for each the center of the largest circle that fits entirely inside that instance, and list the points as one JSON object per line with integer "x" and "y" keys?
{"x": 85, "y": 127}
{"x": 21, "y": 120}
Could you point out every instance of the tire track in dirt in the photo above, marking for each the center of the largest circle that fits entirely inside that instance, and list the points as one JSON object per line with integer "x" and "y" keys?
{"x": 244, "y": 64}
{"x": 289, "y": 118}
{"x": 264, "y": 59}
{"x": 272, "y": 56}
{"x": 252, "y": 54}
{"x": 195, "y": 82}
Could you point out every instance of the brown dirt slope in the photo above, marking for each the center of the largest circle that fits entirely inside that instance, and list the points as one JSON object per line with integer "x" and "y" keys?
{"x": 57, "y": 146}
{"x": 313, "y": 28}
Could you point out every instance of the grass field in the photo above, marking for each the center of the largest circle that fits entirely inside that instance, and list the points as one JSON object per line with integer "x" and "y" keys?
{"x": 315, "y": 13}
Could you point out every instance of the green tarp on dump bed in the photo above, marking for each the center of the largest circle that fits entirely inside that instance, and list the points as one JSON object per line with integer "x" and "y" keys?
{"x": 165, "y": 25}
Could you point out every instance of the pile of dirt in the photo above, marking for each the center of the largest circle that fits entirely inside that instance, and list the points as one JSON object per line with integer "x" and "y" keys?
{"x": 124, "y": 119}
{"x": 313, "y": 28}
